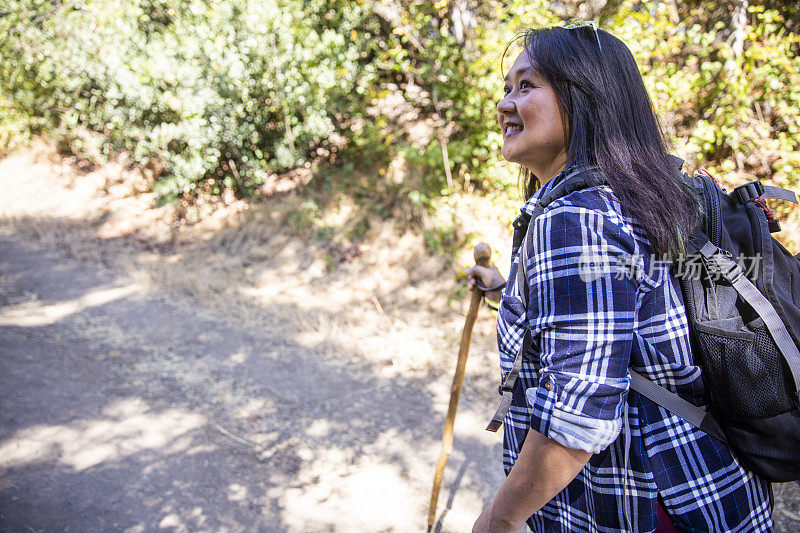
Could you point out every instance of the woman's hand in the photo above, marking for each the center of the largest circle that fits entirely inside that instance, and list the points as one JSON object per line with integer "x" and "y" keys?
{"x": 481, "y": 525}
{"x": 489, "y": 277}
{"x": 485, "y": 524}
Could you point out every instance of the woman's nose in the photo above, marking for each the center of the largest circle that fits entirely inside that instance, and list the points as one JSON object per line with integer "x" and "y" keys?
{"x": 506, "y": 105}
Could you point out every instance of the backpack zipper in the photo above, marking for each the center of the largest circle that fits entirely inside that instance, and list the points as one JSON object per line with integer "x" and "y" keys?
{"x": 713, "y": 221}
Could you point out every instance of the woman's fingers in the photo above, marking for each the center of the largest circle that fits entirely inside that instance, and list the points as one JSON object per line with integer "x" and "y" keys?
{"x": 477, "y": 273}
{"x": 488, "y": 277}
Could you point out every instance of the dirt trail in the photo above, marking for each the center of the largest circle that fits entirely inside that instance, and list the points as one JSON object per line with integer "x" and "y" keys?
{"x": 141, "y": 391}
{"x": 125, "y": 411}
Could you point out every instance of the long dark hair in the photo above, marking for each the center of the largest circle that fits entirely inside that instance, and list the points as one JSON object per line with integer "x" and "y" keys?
{"x": 613, "y": 127}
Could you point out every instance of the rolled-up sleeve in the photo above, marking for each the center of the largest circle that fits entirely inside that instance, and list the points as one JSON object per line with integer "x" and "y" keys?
{"x": 585, "y": 278}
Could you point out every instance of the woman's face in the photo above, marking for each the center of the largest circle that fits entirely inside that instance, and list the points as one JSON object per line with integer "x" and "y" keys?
{"x": 534, "y": 134}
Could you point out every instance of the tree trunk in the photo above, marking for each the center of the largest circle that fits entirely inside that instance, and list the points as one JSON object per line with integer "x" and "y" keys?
{"x": 463, "y": 20}
{"x": 738, "y": 27}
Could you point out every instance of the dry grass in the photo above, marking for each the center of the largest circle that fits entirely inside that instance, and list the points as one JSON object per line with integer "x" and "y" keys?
{"x": 388, "y": 300}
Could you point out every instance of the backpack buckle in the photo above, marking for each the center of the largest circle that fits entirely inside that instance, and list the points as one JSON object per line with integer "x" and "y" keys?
{"x": 721, "y": 264}
{"x": 733, "y": 273}
{"x": 503, "y": 387}
{"x": 748, "y": 192}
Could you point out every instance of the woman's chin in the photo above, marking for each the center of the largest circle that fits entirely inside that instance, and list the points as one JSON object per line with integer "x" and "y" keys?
{"x": 511, "y": 159}
{"x": 508, "y": 155}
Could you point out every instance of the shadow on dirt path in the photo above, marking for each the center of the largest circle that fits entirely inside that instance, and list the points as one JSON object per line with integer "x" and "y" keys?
{"x": 123, "y": 410}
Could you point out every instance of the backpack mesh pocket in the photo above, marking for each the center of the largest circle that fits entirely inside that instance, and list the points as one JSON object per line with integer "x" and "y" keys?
{"x": 744, "y": 368}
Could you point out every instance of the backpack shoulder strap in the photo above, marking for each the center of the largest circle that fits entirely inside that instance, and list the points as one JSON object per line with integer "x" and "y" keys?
{"x": 676, "y": 405}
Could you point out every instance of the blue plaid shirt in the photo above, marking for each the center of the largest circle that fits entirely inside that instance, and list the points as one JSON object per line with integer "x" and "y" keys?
{"x": 599, "y": 303}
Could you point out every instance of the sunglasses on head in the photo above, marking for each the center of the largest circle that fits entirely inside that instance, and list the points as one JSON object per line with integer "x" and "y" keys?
{"x": 582, "y": 24}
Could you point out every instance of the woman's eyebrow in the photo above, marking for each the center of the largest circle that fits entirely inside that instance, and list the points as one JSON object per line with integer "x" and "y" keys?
{"x": 519, "y": 72}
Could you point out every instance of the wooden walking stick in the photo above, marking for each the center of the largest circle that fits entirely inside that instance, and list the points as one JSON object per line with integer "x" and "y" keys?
{"x": 482, "y": 255}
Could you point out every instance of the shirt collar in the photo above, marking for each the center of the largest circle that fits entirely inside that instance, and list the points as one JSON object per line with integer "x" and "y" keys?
{"x": 529, "y": 206}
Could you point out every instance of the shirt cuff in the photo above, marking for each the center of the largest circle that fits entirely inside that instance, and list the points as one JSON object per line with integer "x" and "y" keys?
{"x": 551, "y": 418}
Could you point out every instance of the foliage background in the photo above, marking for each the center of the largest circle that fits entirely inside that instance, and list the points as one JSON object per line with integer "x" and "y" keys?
{"x": 366, "y": 98}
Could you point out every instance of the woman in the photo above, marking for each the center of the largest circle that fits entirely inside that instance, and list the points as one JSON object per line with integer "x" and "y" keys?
{"x": 601, "y": 457}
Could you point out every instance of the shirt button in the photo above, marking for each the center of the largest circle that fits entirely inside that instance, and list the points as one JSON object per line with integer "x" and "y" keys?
{"x": 548, "y": 386}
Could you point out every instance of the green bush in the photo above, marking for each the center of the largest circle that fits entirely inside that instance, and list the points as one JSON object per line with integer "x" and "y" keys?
{"x": 228, "y": 93}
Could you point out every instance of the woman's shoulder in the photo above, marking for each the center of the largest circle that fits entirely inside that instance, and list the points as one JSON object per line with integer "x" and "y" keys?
{"x": 598, "y": 197}
{"x": 591, "y": 215}
{"x": 597, "y": 202}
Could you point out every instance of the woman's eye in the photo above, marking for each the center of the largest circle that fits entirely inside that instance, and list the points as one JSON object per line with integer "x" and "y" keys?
{"x": 524, "y": 85}
{"x": 506, "y": 90}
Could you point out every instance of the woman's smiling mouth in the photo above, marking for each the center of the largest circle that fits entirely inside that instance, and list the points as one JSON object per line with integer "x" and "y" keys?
{"x": 513, "y": 129}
